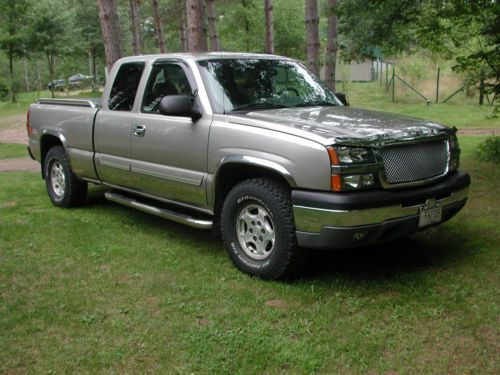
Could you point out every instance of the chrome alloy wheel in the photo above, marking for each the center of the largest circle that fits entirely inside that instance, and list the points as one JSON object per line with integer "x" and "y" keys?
{"x": 255, "y": 231}
{"x": 57, "y": 179}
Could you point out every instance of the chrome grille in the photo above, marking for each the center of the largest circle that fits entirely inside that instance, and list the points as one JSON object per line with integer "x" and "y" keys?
{"x": 415, "y": 161}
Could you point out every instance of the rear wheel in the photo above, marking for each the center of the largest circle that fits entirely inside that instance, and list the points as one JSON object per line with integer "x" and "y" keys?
{"x": 258, "y": 229}
{"x": 63, "y": 187}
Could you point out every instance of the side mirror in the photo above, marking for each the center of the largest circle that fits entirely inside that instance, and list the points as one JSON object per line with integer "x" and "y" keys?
{"x": 179, "y": 105}
{"x": 343, "y": 99}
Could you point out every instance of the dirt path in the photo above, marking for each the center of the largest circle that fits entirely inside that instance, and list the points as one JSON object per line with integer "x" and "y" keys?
{"x": 13, "y": 129}
{"x": 479, "y": 131}
{"x": 19, "y": 164}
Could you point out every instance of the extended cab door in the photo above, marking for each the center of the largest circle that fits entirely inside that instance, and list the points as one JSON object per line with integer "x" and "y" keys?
{"x": 113, "y": 126}
{"x": 169, "y": 153}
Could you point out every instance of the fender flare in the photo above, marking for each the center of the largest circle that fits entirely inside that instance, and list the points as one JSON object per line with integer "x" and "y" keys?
{"x": 248, "y": 160}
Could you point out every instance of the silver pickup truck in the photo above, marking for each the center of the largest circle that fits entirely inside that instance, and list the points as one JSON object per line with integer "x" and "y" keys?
{"x": 253, "y": 146}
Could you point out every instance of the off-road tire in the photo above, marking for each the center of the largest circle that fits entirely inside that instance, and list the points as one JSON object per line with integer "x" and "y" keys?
{"x": 74, "y": 192}
{"x": 274, "y": 197}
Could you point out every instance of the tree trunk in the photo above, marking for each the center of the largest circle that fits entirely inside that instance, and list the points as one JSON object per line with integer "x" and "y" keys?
{"x": 94, "y": 70}
{"x": 38, "y": 77}
{"x": 197, "y": 41}
{"x": 136, "y": 26}
{"x": 182, "y": 25}
{"x": 331, "y": 46}
{"x": 27, "y": 85}
{"x": 268, "y": 11}
{"x": 50, "y": 60}
{"x": 247, "y": 25}
{"x": 212, "y": 26}
{"x": 312, "y": 35}
{"x": 11, "y": 71}
{"x": 110, "y": 27}
{"x": 159, "y": 27}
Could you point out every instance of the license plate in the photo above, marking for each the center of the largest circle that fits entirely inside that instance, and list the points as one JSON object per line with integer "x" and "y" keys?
{"x": 430, "y": 213}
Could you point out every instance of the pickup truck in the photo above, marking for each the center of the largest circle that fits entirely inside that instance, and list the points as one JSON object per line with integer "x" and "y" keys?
{"x": 254, "y": 147}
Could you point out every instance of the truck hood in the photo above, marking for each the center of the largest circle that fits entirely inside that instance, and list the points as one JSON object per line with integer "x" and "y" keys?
{"x": 345, "y": 125}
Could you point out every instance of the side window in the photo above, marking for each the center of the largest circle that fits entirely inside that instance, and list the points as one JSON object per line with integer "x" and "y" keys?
{"x": 165, "y": 79}
{"x": 122, "y": 95}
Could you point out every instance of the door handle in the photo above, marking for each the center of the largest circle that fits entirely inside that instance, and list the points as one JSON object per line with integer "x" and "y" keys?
{"x": 139, "y": 130}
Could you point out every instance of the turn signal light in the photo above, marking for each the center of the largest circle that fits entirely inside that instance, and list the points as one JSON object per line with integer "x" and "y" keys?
{"x": 29, "y": 129}
{"x": 336, "y": 182}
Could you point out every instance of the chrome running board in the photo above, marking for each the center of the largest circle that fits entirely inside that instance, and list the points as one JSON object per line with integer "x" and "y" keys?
{"x": 161, "y": 212}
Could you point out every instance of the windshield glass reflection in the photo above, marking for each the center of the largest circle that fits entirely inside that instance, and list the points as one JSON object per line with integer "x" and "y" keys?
{"x": 252, "y": 84}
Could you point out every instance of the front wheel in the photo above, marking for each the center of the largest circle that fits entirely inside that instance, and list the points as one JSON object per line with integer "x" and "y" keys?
{"x": 258, "y": 229}
{"x": 63, "y": 187}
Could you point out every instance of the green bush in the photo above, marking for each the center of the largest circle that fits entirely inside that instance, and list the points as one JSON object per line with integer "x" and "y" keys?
{"x": 489, "y": 149}
{"x": 4, "y": 90}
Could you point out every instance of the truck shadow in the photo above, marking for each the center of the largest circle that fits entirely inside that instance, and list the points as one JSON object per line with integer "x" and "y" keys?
{"x": 438, "y": 248}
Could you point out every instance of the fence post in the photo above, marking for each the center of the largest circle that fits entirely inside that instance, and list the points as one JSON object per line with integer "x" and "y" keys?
{"x": 393, "y": 83}
{"x": 386, "y": 75}
{"x": 437, "y": 85}
{"x": 381, "y": 71}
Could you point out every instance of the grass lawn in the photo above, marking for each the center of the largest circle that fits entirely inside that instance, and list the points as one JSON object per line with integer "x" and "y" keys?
{"x": 461, "y": 114}
{"x": 106, "y": 289}
{"x": 12, "y": 150}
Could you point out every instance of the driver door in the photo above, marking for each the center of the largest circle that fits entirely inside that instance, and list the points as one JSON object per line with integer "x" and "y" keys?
{"x": 169, "y": 153}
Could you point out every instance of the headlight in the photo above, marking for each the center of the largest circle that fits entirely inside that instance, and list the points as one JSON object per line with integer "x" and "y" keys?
{"x": 353, "y": 168}
{"x": 454, "y": 153}
{"x": 354, "y": 155}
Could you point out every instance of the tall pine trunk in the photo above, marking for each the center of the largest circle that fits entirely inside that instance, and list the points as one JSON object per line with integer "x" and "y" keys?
{"x": 110, "y": 27}
{"x": 159, "y": 27}
{"x": 182, "y": 25}
{"x": 11, "y": 72}
{"x": 331, "y": 46}
{"x": 27, "y": 86}
{"x": 134, "y": 17}
{"x": 197, "y": 41}
{"x": 94, "y": 69}
{"x": 312, "y": 35}
{"x": 212, "y": 26}
{"x": 50, "y": 61}
{"x": 268, "y": 12}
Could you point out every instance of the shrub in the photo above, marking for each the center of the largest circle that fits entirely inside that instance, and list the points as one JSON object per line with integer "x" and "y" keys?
{"x": 489, "y": 149}
{"x": 4, "y": 90}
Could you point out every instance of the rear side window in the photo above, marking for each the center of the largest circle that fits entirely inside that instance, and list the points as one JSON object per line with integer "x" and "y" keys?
{"x": 122, "y": 95}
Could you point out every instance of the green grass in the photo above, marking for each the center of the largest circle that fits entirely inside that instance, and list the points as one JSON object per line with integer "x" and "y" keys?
{"x": 12, "y": 150}
{"x": 462, "y": 115}
{"x": 106, "y": 289}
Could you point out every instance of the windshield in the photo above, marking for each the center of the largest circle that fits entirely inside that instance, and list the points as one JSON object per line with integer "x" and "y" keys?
{"x": 252, "y": 84}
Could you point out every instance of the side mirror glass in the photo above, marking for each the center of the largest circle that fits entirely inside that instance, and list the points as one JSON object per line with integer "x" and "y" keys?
{"x": 179, "y": 105}
{"x": 343, "y": 99}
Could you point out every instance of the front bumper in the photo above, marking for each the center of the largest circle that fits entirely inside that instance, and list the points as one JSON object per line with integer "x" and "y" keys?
{"x": 339, "y": 220}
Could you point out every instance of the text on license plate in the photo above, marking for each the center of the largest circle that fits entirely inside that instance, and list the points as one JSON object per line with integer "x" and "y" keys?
{"x": 430, "y": 214}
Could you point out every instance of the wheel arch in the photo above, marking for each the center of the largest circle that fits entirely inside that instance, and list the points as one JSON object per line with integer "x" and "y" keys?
{"x": 236, "y": 168}
{"x": 47, "y": 141}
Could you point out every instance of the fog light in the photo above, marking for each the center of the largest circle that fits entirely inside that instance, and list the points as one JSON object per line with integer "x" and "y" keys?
{"x": 358, "y": 181}
{"x": 360, "y": 236}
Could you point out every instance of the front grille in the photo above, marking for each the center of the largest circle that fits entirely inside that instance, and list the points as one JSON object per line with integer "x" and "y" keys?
{"x": 413, "y": 162}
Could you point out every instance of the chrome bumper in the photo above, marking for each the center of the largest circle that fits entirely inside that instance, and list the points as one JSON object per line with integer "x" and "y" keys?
{"x": 312, "y": 220}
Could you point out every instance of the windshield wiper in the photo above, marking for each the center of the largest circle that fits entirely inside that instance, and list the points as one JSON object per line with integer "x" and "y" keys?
{"x": 259, "y": 106}
{"x": 315, "y": 104}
